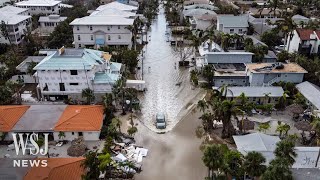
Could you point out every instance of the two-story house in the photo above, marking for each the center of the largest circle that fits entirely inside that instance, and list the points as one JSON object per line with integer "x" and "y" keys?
{"x": 265, "y": 74}
{"x": 49, "y": 23}
{"x": 304, "y": 41}
{"x": 17, "y": 22}
{"x": 109, "y": 25}
{"x": 66, "y": 72}
{"x": 37, "y": 7}
{"x": 233, "y": 24}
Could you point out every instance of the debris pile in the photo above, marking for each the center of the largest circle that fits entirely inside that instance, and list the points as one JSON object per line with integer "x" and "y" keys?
{"x": 77, "y": 148}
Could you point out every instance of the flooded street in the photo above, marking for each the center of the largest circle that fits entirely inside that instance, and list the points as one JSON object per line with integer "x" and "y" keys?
{"x": 161, "y": 73}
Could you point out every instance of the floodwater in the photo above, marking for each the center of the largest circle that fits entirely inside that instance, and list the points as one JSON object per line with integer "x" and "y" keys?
{"x": 161, "y": 73}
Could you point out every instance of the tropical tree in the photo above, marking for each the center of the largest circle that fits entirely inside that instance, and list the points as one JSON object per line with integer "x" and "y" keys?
{"x": 207, "y": 121}
{"x": 277, "y": 169}
{"x": 213, "y": 158}
{"x": 194, "y": 77}
{"x": 285, "y": 150}
{"x": 264, "y": 127}
{"x": 229, "y": 110}
{"x": 105, "y": 160}
{"x": 254, "y": 164}
{"x": 202, "y": 105}
{"x": 88, "y": 94}
{"x": 15, "y": 87}
{"x": 116, "y": 123}
{"x": 208, "y": 73}
{"x": 91, "y": 163}
{"x": 233, "y": 164}
{"x": 282, "y": 128}
{"x": 132, "y": 130}
{"x": 316, "y": 126}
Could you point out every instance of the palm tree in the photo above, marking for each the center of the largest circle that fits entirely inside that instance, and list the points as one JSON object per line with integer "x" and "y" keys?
{"x": 209, "y": 34}
{"x": 229, "y": 109}
{"x": 254, "y": 164}
{"x": 208, "y": 73}
{"x": 316, "y": 126}
{"x": 207, "y": 121}
{"x": 91, "y": 163}
{"x": 202, "y": 105}
{"x": 286, "y": 25}
{"x": 282, "y": 128}
{"x": 105, "y": 160}
{"x": 278, "y": 169}
{"x": 225, "y": 41}
{"x": 285, "y": 150}
{"x": 116, "y": 123}
{"x": 88, "y": 94}
{"x": 213, "y": 158}
{"x": 264, "y": 127}
{"x": 233, "y": 166}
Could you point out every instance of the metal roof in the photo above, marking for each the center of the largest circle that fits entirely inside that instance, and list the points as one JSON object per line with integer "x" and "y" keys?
{"x": 102, "y": 20}
{"x": 117, "y": 5}
{"x": 112, "y": 12}
{"x": 234, "y": 21}
{"x": 38, "y": 3}
{"x": 311, "y": 92}
{"x": 104, "y": 78}
{"x": 12, "y": 10}
{"x": 255, "y": 91}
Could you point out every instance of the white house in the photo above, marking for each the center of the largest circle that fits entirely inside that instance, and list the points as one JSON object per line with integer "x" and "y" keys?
{"x": 233, "y": 24}
{"x": 17, "y": 23}
{"x": 107, "y": 26}
{"x": 201, "y": 16}
{"x": 79, "y": 121}
{"x": 311, "y": 93}
{"x": 40, "y": 6}
{"x": 299, "y": 20}
{"x": 49, "y": 23}
{"x": 230, "y": 74}
{"x": 228, "y": 57}
{"x": 259, "y": 95}
{"x": 265, "y": 74}
{"x": 65, "y": 72}
{"x": 304, "y": 41}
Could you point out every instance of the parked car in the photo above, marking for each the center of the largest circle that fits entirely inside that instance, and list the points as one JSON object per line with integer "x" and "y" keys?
{"x": 160, "y": 121}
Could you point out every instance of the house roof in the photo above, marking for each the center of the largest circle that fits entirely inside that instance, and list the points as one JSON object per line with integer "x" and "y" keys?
{"x": 71, "y": 59}
{"x": 10, "y": 115}
{"x": 117, "y": 5}
{"x": 234, "y": 21}
{"x": 80, "y": 118}
{"x": 311, "y": 92}
{"x": 304, "y": 34}
{"x": 38, "y": 3}
{"x": 102, "y": 20}
{"x": 113, "y": 12}
{"x": 39, "y": 118}
{"x": 252, "y": 91}
{"x": 57, "y": 169}
{"x": 203, "y": 6}
{"x": 198, "y": 12}
{"x": 255, "y": 142}
{"x": 12, "y": 19}
{"x": 270, "y": 68}
{"x": 12, "y": 10}
{"x": 52, "y": 18}
{"x": 104, "y": 78}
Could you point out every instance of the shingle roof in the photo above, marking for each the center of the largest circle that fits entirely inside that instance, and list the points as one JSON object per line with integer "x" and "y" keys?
{"x": 311, "y": 92}
{"x": 57, "y": 169}
{"x": 234, "y": 21}
{"x": 80, "y": 118}
{"x": 10, "y": 115}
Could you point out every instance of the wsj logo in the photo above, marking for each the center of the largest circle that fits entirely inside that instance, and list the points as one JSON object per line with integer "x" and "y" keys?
{"x": 29, "y": 144}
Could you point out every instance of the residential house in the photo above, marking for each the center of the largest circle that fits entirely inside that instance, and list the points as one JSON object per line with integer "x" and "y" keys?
{"x": 24, "y": 75}
{"x": 66, "y": 72}
{"x": 304, "y": 41}
{"x": 201, "y": 16}
{"x": 58, "y": 168}
{"x": 9, "y": 116}
{"x": 300, "y": 20}
{"x": 230, "y": 74}
{"x": 311, "y": 93}
{"x": 233, "y": 24}
{"x": 109, "y": 25}
{"x": 266, "y": 13}
{"x": 79, "y": 121}
{"x": 49, "y": 23}
{"x": 265, "y": 74}
{"x": 17, "y": 24}
{"x": 257, "y": 95}
{"x": 262, "y": 25}
{"x": 38, "y": 118}
{"x": 228, "y": 57}
{"x": 305, "y": 165}
{"x": 38, "y": 7}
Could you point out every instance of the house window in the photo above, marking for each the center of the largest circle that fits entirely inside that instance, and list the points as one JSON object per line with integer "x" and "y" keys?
{"x": 79, "y": 45}
{"x": 72, "y": 133}
{"x": 62, "y": 88}
{"x": 91, "y": 37}
{"x": 74, "y": 84}
{"x": 240, "y": 31}
{"x": 90, "y": 28}
{"x": 109, "y": 37}
{"x": 108, "y": 28}
{"x": 231, "y": 31}
{"x": 73, "y": 72}
{"x": 79, "y": 38}
{"x": 119, "y": 36}
{"x": 77, "y": 28}
{"x": 80, "y": 133}
{"x": 118, "y": 27}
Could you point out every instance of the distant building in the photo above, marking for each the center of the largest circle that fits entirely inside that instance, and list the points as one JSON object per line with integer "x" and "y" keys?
{"x": 17, "y": 23}
{"x": 257, "y": 95}
{"x": 230, "y": 75}
{"x": 233, "y": 24}
{"x": 300, "y": 20}
{"x": 107, "y": 26}
{"x": 304, "y": 41}
{"x": 37, "y": 7}
{"x": 66, "y": 72}
{"x": 265, "y": 74}
{"x": 23, "y": 69}
{"x": 266, "y": 13}
{"x": 49, "y": 23}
